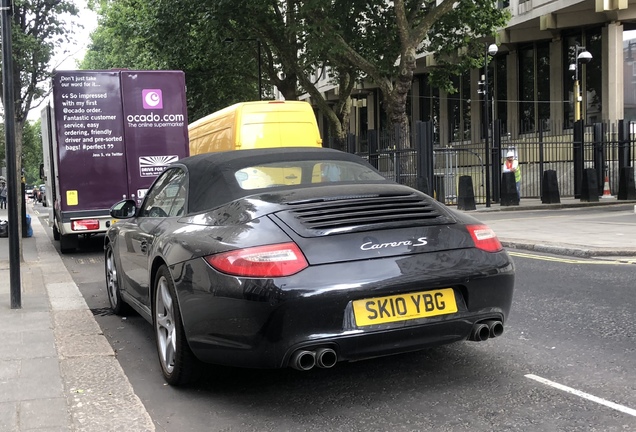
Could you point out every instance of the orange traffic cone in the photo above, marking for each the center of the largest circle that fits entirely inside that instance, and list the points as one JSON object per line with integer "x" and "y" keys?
{"x": 606, "y": 189}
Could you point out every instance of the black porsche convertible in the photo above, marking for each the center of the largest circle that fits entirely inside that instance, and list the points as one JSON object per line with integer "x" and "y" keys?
{"x": 302, "y": 258}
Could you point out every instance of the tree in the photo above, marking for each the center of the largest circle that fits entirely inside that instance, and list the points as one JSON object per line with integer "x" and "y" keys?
{"x": 293, "y": 59}
{"x": 38, "y": 28}
{"x": 395, "y": 32}
{"x": 195, "y": 36}
{"x": 32, "y": 151}
{"x": 176, "y": 34}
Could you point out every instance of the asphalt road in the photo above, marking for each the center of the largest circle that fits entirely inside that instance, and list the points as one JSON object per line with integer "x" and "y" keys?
{"x": 573, "y": 324}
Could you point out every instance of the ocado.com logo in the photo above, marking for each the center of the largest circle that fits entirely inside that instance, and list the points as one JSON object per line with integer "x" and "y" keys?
{"x": 152, "y": 98}
{"x": 153, "y": 117}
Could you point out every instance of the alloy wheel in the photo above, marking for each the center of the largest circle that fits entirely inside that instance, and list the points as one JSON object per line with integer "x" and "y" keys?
{"x": 111, "y": 279}
{"x": 165, "y": 325}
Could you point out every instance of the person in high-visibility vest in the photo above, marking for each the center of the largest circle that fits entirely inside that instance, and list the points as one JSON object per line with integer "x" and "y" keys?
{"x": 512, "y": 165}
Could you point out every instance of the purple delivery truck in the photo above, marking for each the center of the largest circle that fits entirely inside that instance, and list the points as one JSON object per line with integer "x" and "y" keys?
{"x": 106, "y": 136}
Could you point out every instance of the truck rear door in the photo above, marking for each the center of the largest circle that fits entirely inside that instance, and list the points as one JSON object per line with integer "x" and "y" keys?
{"x": 90, "y": 140}
{"x": 155, "y": 120}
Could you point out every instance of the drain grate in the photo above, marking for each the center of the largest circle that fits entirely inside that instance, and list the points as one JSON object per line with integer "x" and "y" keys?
{"x": 105, "y": 311}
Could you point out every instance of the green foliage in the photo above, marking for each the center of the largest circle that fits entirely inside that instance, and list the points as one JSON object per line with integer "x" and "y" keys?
{"x": 38, "y": 28}
{"x": 388, "y": 35}
{"x": 356, "y": 39}
{"x": 32, "y": 151}
{"x": 462, "y": 31}
{"x": 179, "y": 35}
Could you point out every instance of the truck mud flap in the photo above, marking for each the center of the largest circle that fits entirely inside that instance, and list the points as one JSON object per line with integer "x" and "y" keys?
{"x": 69, "y": 243}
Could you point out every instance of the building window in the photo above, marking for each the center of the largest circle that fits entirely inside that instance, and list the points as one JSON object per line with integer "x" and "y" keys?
{"x": 534, "y": 88}
{"x": 590, "y": 76}
{"x": 459, "y": 108}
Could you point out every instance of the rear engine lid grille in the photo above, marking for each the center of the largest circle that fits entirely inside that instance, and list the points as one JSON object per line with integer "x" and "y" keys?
{"x": 362, "y": 213}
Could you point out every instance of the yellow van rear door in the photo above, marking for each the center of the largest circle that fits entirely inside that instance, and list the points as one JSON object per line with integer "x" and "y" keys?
{"x": 278, "y": 129}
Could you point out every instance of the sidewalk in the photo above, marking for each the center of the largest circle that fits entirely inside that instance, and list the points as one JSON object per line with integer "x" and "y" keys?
{"x": 57, "y": 370}
{"x": 598, "y": 229}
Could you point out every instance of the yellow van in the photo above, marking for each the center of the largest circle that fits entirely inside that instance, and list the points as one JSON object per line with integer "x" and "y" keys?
{"x": 261, "y": 124}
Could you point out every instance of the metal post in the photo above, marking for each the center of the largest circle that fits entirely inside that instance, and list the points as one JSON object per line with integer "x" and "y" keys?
{"x": 496, "y": 160}
{"x": 578, "y": 147}
{"x": 577, "y": 96}
{"x": 486, "y": 143}
{"x": 486, "y": 128}
{"x": 12, "y": 172}
{"x": 583, "y": 56}
{"x": 260, "y": 71}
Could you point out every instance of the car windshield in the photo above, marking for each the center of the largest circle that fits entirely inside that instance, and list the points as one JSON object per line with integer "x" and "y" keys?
{"x": 277, "y": 174}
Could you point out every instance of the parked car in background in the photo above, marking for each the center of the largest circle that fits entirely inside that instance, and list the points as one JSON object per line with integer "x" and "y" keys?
{"x": 302, "y": 258}
{"x": 42, "y": 195}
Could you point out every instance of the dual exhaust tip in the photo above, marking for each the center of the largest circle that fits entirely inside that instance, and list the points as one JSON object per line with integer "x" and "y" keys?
{"x": 325, "y": 358}
{"x": 305, "y": 359}
{"x": 484, "y": 330}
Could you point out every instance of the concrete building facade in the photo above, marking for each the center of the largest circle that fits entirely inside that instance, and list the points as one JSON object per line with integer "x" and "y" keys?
{"x": 531, "y": 84}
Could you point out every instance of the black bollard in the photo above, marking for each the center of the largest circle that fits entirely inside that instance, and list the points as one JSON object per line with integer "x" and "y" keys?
{"x": 626, "y": 188}
{"x": 589, "y": 186}
{"x": 509, "y": 196}
{"x": 466, "y": 197}
{"x": 438, "y": 187}
{"x": 550, "y": 188}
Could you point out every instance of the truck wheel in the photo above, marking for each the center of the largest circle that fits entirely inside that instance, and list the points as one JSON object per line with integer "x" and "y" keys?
{"x": 117, "y": 304}
{"x": 178, "y": 363}
{"x": 56, "y": 232}
{"x": 68, "y": 243}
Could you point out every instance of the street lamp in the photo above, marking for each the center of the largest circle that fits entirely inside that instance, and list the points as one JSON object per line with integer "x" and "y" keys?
{"x": 491, "y": 50}
{"x": 260, "y": 68}
{"x": 583, "y": 56}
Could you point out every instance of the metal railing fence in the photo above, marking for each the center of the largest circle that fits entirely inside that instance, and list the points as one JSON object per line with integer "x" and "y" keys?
{"x": 606, "y": 147}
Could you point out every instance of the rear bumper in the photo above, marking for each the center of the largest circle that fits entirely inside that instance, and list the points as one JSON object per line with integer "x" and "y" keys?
{"x": 65, "y": 222}
{"x": 260, "y": 323}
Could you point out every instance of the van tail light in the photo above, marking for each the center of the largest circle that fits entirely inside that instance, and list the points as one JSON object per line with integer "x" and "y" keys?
{"x": 85, "y": 224}
{"x": 269, "y": 261}
{"x": 484, "y": 238}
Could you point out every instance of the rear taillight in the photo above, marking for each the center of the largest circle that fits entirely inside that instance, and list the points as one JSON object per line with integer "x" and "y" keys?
{"x": 262, "y": 262}
{"x": 484, "y": 238}
{"x": 85, "y": 224}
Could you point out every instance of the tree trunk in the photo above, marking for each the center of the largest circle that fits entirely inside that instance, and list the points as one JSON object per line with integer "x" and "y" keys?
{"x": 396, "y": 100}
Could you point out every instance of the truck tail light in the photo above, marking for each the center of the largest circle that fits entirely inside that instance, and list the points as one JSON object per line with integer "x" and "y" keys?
{"x": 484, "y": 238}
{"x": 85, "y": 224}
{"x": 269, "y": 261}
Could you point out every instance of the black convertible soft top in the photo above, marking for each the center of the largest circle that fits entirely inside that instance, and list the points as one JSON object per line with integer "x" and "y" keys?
{"x": 212, "y": 180}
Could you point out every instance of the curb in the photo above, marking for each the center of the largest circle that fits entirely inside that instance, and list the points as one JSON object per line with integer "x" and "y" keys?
{"x": 553, "y": 206}
{"x": 574, "y": 251}
{"x": 98, "y": 393}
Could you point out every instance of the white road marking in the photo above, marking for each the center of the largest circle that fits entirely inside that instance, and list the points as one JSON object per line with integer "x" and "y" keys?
{"x": 583, "y": 395}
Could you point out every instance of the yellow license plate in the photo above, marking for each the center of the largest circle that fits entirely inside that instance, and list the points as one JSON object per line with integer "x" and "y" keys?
{"x": 382, "y": 310}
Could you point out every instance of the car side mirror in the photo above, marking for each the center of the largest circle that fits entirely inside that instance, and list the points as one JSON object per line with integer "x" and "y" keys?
{"x": 124, "y": 209}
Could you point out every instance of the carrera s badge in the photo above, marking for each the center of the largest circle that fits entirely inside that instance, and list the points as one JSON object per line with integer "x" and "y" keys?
{"x": 373, "y": 245}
